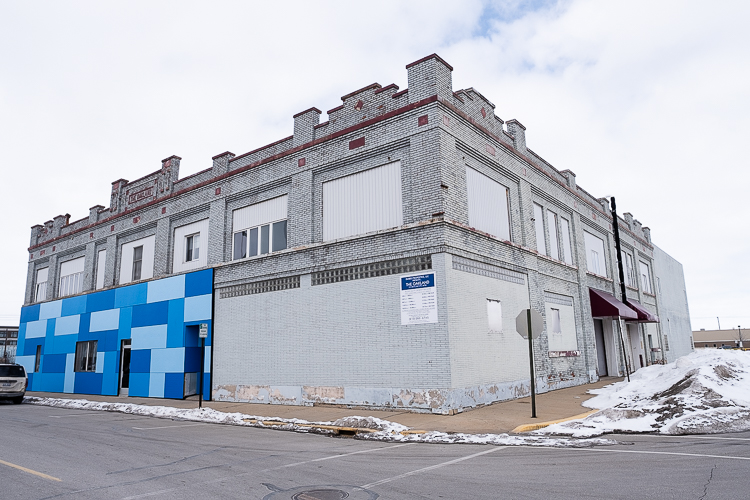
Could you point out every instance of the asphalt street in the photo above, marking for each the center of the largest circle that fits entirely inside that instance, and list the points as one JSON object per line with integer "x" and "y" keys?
{"x": 49, "y": 452}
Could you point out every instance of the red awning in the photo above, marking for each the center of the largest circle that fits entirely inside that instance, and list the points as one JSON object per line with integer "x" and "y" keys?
{"x": 644, "y": 315}
{"x": 605, "y": 305}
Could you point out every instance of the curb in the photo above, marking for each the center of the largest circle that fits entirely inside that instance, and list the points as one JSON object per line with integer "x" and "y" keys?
{"x": 334, "y": 429}
{"x": 542, "y": 425}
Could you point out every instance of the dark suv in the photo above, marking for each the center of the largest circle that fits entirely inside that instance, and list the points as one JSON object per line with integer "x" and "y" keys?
{"x": 13, "y": 382}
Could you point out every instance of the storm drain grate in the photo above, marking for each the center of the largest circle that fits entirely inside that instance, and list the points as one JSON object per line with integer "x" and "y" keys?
{"x": 320, "y": 495}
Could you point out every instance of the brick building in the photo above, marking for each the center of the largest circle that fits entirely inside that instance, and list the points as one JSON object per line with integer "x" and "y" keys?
{"x": 378, "y": 258}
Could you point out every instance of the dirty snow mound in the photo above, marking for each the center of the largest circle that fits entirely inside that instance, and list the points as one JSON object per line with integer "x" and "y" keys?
{"x": 707, "y": 391}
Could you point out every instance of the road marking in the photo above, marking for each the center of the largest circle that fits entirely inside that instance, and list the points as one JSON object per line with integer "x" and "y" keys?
{"x": 644, "y": 452}
{"x": 167, "y": 427}
{"x": 30, "y": 471}
{"x": 432, "y": 467}
{"x": 336, "y": 456}
{"x": 229, "y": 478}
{"x": 697, "y": 437}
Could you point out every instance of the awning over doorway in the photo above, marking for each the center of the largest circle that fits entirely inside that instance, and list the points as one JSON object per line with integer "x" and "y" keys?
{"x": 644, "y": 315}
{"x": 605, "y": 305}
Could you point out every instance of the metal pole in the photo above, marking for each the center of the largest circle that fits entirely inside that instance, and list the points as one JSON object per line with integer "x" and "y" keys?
{"x": 719, "y": 322}
{"x": 200, "y": 375}
{"x": 739, "y": 332}
{"x": 616, "y": 227}
{"x": 531, "y": 364}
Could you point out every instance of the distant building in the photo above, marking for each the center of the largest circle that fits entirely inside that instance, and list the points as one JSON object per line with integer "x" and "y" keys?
{"x": 8, "y": 343}
{"x": 379, "y": 258}
{"x": 737, "y": 337}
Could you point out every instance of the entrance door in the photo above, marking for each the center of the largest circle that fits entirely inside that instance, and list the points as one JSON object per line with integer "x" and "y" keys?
{"x": 125, "y": 367}
{"x": 636, "y": 345}
{"x": 601, "y": 350}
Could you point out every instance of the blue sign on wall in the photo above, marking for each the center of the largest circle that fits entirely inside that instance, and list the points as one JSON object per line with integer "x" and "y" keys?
{"x": 417, "y": 281}
{"x": 160, "y": 318}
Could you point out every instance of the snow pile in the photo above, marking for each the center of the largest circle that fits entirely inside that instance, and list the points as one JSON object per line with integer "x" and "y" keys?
{"x": 705, "y": 392}
{"x": 384, "y": 429}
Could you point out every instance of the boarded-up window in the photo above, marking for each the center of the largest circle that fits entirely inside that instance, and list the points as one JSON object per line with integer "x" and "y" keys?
{"x": 495, "y": 315}
{"x": 488, "y": 204}
{"x": 363, "y": 202}
{"x": 595, "y": 262}
{"x": 539, "y": 229}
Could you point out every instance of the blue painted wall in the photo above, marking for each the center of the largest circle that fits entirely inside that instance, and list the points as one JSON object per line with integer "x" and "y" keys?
{"x": 160, "y": 318}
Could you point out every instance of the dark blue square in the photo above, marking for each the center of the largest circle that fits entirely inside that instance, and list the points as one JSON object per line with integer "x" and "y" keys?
{"x": 206, "y": 386}
{"x": 156, "y": 313}
{"x": 199, "y": 283}
{"x": 84, "y": 323}
{"x": 54, "y": 363}
{"x": 101, "y": 301}
{"x": 192, "y": 359}
{"x": 88, "y": 383}
{"x": 30, "y": 313}
{"x": 140, "y": 361}
{"x": 29, "y": 348}
{"x": 109, "y": 341}
{"x": 173, "y": 385}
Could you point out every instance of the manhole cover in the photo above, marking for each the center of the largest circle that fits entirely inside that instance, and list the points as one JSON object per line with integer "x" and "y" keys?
{"x": 321, "y": 494}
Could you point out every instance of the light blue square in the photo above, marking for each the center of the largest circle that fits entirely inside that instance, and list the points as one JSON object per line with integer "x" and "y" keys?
{"x": 156, "y": 385}
{"x": 100, "y": 362}
{"x": 70, "y": 376}
{"x": 198, "y": 308}
{"x": 105, "y": 320}
{"x": 207, "y": 360}
{"x": 36, "y": 329}
{"x": 149, "y": 337}
{"x": 168, "y": 360}
{"x": 50, "y": 310}
{"x": 67, "y": 325}
{"x": 131, "y": 295}
{"x": 27, "y": 362}
{"x": 166, "y": 289}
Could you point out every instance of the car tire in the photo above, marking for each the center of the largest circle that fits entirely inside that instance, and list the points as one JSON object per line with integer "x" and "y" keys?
{"x": 18, "y": 400}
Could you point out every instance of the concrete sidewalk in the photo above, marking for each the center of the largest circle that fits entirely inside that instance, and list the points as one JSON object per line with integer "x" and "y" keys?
{"x": 493, "y": 419}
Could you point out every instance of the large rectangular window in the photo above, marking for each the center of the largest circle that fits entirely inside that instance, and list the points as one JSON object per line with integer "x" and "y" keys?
{"x": 488, "y": 204}
{"x": 646, "y": 278}
{"x": 541, "y": 246}
{"x": 363, "y": 202}
{"x": 101, "y": 262}
{"x": 554, "y": 251}
{"x": 565, "y": 232}
{"x": 71, "y": 277}
{"x": 40, "y": 292}
{"x": 595, "y": 260}
{"x": 630, "y": 279}
{"x": 85, "y": 356}
{"x": 260, "y": 229}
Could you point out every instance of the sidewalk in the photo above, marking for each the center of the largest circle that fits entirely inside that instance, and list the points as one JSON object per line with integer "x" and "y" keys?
{"x": 493, "y": 419}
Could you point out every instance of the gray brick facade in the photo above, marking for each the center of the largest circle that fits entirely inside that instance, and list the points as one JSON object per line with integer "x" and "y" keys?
{"x": 343, "y": 342}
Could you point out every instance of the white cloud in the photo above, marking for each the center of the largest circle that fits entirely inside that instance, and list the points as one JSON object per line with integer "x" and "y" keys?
{"x": 643, "y": 100}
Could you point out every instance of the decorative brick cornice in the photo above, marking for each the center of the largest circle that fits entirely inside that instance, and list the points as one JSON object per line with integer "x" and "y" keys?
{"x": 431, "y": 56}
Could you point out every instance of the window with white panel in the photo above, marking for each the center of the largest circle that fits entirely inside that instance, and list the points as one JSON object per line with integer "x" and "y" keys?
{"x": 554, "y": 250}
{"x": 363, "y": 202}
{"x": 190, "y": 242}
{"x": 260, "y": 228}
{"x": 567, "y": 253}
{"x": 71, "y": 277}
{"x": 595, "y": 260}
{"x": 488, "y": 204}
{"x": 541, "y": 246}
{"x": 101, "y": 262}
{"x": 137, "y": 260}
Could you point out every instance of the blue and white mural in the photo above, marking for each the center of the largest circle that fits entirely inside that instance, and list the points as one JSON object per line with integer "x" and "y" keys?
{"x": 153, "y": 325}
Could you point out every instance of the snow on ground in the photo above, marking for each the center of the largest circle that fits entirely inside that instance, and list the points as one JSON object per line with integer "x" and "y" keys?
{"x": 384, "y": 430}
{"x": 705, "y": 392}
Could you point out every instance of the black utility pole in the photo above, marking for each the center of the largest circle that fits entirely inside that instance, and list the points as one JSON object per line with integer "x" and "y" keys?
{"x": 531, "y": 364}
{"x": 616, "y": 227}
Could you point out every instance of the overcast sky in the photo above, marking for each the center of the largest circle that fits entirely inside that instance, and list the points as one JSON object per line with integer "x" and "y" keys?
{"x": 645, "y": 100}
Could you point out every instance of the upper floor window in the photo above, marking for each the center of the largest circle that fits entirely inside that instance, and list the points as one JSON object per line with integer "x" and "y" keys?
{"x": 541, "y": 246}
{"x": 71, "y": 277}
{"x": 101, "y": 262}
{"x": 40, "y": 292}
{"x": 190, "y": 246}
{"x": 137, "y": 260}
{"x": 488, "y": 204}
{"x": 567, "y": 254}
{"x": 554, "y": 250}
{"x": 363, "y": 202}
{"x": 595, "y": 261}
{"x": 645, "y": 278}
{"x": 260, "y": 229}
{"x": 630, "y": 279}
